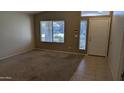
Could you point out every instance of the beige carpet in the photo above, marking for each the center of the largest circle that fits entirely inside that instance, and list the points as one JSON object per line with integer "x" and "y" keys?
{"x": 40, "y": 65}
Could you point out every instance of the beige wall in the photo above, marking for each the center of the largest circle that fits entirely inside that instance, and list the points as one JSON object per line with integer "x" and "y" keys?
{"x": 72, "y": 27}
{"x": 122, "y": 57}
{"x": 116, "y": 43}
{"x": 16, "y": 33}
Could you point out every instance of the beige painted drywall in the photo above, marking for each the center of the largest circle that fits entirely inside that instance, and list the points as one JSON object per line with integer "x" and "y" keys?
{"x": 121, "y": 70}
{"x": 72, "y": 27}
{"x": 116, "y": 42}
{"x": 16, "y": 33}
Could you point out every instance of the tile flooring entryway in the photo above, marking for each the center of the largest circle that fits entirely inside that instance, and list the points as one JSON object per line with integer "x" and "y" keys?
{"x": 92, "y": 68}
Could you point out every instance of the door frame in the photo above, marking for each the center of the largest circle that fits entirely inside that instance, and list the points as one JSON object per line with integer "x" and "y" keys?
{"x": 87, "y": 34}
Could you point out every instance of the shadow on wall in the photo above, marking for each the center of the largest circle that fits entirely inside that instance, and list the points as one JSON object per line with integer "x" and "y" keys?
{"x": 116, "y": 44}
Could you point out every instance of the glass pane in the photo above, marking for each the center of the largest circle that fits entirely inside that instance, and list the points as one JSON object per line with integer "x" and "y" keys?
{"x": 94, "y": 13}
{"x": 83, "y": 32}
{"x": 58, "y": 31}
{"x": 46, "y": 31}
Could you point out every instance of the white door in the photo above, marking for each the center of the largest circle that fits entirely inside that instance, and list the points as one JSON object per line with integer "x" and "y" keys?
{"x": 98, "y": 36}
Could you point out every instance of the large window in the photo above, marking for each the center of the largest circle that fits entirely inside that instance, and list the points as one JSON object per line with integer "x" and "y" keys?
{"x": 95, "y": 13}
{"x": 52, "y": 31}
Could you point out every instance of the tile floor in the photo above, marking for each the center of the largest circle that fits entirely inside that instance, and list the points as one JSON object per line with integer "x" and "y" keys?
{"x": 92, "y": 68}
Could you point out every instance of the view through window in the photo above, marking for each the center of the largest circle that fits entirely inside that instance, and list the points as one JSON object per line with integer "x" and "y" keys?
{"x": 83, "y": 32}
{"x": 52, "y": 31}
{"x": 58, "y": 31}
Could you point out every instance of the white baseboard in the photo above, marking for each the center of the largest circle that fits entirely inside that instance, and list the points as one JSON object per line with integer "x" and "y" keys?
{"x": 39, "y": 49}
{"x": 14, "y": 54}
{"x": 60, "y": 51}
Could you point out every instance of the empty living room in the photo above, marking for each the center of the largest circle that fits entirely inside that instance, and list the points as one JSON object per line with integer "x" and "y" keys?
{"x": 61, "y": 46}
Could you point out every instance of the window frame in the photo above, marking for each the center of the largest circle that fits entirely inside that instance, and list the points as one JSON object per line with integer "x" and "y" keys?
{"x": 40, "y": 32}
